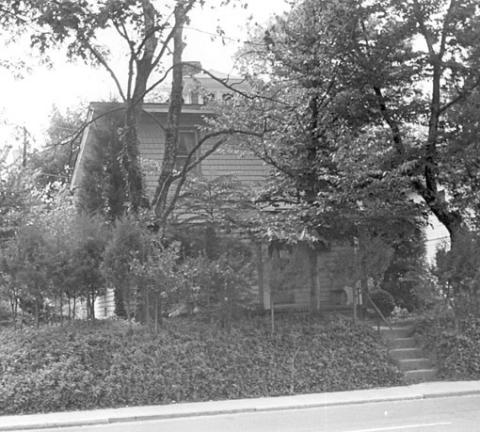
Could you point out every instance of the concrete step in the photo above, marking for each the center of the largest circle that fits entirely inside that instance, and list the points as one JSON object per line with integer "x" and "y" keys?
{"x": 414, "y": 364}
{"x": 396, "y": 332}
{"x": 419, "y": 375}
{"x": 407, "y": 342}
{"x": 406, "y": 353}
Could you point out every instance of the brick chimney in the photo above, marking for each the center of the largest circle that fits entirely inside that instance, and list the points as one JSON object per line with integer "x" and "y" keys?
{"x": 192, "y": 68}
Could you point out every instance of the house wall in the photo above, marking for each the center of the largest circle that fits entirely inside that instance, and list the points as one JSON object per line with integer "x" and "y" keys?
{"x": 105, "y": 305}
{"x": 224, "y": 161}
{"x": 284, "y": 275}
{"x": 287, "y": 278}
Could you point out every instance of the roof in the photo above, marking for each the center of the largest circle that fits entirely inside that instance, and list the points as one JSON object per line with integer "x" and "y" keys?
{"x": 101, "y": 107}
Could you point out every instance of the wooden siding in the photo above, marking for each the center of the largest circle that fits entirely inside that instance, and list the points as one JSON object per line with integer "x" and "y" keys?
{"x": 105, "y": 305}
{"x": 247, "y": 168}
{"x": 290, "y": 269}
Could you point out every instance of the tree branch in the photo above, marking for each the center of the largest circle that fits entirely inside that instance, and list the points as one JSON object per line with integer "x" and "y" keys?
{"x": 461, "y": 96}
{"x": 104, "y": 63}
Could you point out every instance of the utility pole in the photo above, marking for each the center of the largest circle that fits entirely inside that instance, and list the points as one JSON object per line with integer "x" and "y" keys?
{"x": 25, "y": 146}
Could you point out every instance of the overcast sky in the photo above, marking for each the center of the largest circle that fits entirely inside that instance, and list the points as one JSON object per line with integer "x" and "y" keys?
{"x": 28, "y": 101}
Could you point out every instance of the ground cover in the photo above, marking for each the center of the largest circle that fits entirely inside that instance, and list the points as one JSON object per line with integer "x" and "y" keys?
{"x": 455, "y": 348}
{"x": 109, "y": 364}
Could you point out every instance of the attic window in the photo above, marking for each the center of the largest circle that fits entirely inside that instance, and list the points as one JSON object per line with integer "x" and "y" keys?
{"x": 186, "y": 142}
{"x": 194, "y": 97}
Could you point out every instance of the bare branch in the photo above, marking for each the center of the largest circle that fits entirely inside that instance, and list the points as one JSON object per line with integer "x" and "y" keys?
{"x": 424, "y": 31}
{"x": 226, "y": 132}
{"x": 461, "y": 96}
{"x": 104, "y": 63}
{"x": 158, "y": 82}
{"x": 446, "y": 22}
{"x": 156, "y": 121}
{"x": 165, "y": 43}
{"x": 82, "y": 128}
{"x": 122, "y": 31}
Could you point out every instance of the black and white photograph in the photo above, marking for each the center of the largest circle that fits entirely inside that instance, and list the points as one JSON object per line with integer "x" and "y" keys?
{"x": 239, "y": 215}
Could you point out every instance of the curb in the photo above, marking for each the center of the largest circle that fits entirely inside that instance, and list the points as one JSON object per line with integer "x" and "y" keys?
{"x": 186, "y": 410}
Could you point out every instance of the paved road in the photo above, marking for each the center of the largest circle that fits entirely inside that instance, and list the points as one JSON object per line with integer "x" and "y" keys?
{"x": 456, "y": 413}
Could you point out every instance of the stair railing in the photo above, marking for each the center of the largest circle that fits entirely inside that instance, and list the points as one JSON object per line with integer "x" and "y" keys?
{"x": 379, "y": 312}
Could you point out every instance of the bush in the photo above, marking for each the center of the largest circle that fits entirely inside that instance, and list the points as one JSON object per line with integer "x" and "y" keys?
{"x": 456, "y": 350}
{"x": 458, "y": 276}
{"x": 110, "y": 364}
{"x": 384, "y": 301}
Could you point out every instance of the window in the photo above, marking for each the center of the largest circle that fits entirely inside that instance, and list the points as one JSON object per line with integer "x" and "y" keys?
{"x": 186, "y": 142}
{"x": 194, "y": 97}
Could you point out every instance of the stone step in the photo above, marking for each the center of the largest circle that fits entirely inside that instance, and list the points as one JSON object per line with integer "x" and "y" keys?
{"x": 407, "y": 342}
{"x": 414, "y": 364}
{"x": 419, "y": 375}
{"x": 406, "y": 353}
{"x": 396, "y": 332}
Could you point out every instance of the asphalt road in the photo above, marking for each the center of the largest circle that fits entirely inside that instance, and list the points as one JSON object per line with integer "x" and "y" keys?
{"x": 457, "y": 413}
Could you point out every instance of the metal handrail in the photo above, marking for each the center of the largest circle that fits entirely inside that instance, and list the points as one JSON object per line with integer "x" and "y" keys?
{"x": 379, "y": 312}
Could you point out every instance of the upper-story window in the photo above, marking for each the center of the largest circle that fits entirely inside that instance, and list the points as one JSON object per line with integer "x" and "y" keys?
{"x": 186, "y": 143}
{"x": 194, "y": 97}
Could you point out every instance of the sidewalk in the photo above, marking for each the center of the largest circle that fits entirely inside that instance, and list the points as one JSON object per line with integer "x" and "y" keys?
{"x": 108, "y": 416}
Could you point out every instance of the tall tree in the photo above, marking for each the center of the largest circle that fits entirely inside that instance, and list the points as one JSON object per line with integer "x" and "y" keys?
{"x": 55, "y": 163}
{"x": 147, "y": 28}
{"x": 381, "y": 83}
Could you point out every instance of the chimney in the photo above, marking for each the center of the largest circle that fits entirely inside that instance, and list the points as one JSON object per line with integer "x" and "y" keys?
{"x": 192, "y": 68}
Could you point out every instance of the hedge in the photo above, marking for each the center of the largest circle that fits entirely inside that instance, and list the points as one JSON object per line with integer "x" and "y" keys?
{"x": 111, "y": 363}
{"x": 456, "y": 351}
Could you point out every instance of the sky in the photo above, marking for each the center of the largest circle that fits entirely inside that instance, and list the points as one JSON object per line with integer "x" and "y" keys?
{"x": 27, "y": 101}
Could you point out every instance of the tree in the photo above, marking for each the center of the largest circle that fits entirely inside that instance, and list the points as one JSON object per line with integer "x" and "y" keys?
{"x": 102, "y": 188}
{"x": 459, "y": 276}
{"x": 125, "y": 250}
{"x": 9, "y": 271}
{"x": 212, "y": 207}
{"x": 148, "y": 29}
{"x": 89, "y": 235}
{"x": 55, "y": 163}
{"x": 389, "y": 79}
{"x": 157, "y": 278}
{"x": 33, "y": 258}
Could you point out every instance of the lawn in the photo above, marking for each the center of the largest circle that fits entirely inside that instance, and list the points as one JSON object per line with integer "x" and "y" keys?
{"x": 87, "y": 365}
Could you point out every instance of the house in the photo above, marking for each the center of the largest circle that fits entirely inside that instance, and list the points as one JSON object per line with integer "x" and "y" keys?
{"x": 288, "y": 276}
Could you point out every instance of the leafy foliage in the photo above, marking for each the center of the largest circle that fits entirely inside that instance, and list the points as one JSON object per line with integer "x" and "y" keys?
{"x": 384, "y": 301}
{"x": 102, "y": 186}
{"x": 112, "y": 364}
{"x": 126, "y": 247}
{"x": 360, "y": 104}
{"x": 55, "y": 163}
{"x": 456, "y": 351}
{"x": 458, "y": 272}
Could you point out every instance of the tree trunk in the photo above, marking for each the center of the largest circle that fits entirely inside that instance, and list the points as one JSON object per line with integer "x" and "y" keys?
{"x": 130, "y": 156}
{"x": 129, "y": 137}
{"x": 89, "y": 310}
{"x": 165, "y": 179}
{"x": 37, "y": 313}
{"x": 119, "y": 302}
{"x": 313, "y": 278}
{"x": 92, "y": 304}
{"x": 61, "y": 309}
{"x": 260, "y": 273}
{"x": 157, "y": 295}
{"x": 146, "y": 303}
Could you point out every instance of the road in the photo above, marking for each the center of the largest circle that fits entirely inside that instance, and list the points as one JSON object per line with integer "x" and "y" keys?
{"x": 455, "y": 413}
